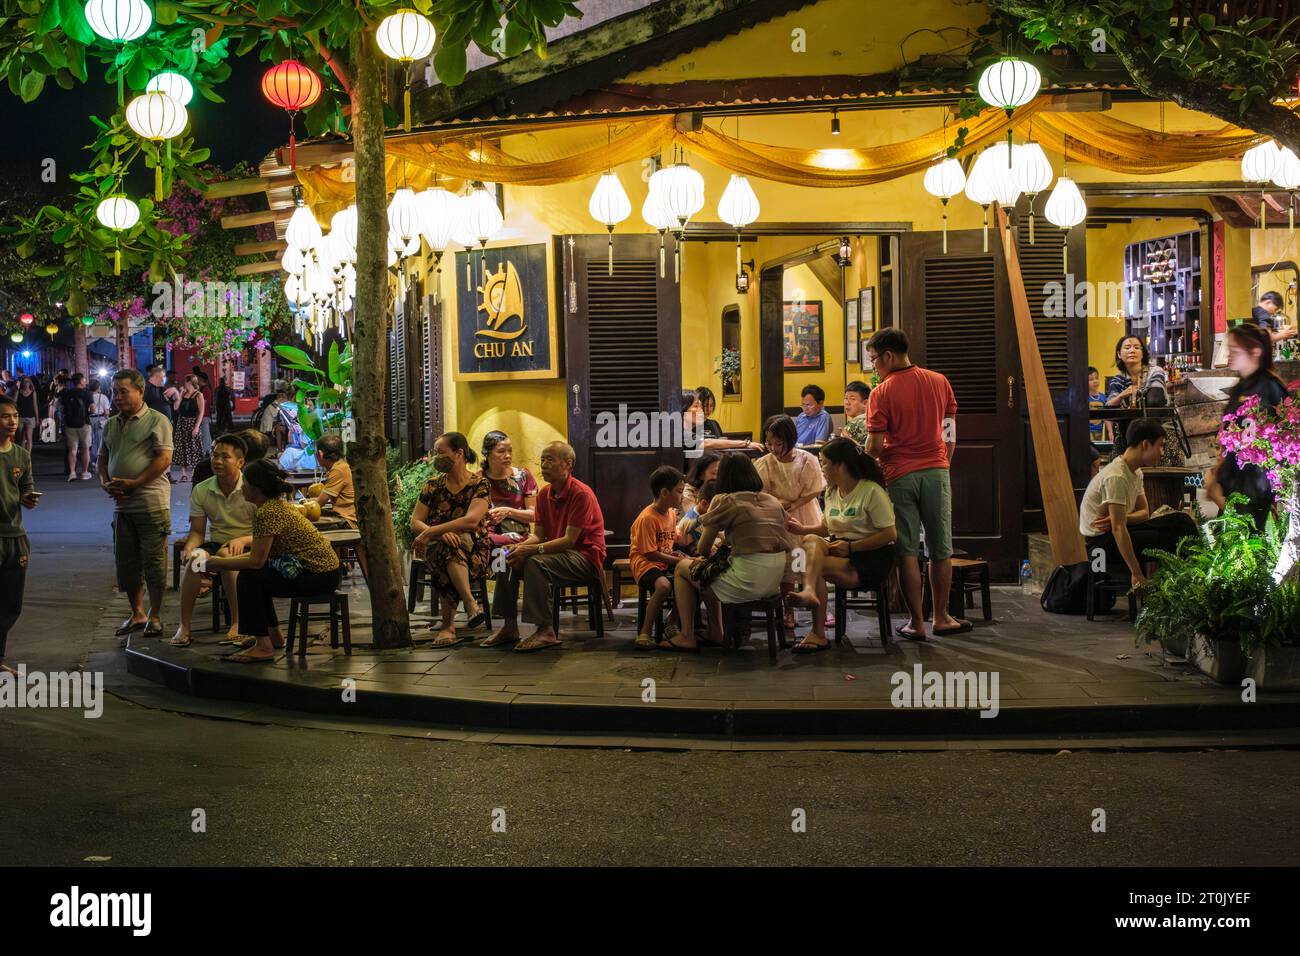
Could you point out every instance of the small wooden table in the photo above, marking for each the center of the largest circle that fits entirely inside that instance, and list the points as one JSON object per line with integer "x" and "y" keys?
{"x": 1165, "y": 486}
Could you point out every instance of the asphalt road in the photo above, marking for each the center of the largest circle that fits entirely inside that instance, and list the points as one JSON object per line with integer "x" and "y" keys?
{"x": 126, "y": 785}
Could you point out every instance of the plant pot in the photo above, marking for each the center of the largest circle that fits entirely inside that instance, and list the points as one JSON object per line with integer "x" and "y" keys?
{"x": 1219, "y": 659}
{"x": 1175, "y": 646}
{"x": 1275, "y": 666}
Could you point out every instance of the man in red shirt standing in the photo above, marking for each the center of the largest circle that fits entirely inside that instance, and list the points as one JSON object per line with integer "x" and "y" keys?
{"x": 567, "y": 546}
{"x": 911, "y": 430}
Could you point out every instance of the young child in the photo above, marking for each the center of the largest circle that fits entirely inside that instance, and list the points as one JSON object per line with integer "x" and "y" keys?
{"x": 688, "y": 529}
{"x": 17, "y": 487}
{"x": 654, "y": 532}
{"x": 1096, "y": 399}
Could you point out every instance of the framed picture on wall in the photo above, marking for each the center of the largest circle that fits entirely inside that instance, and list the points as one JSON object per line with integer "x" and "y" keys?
{"x": 728, "y": 363}
{"x": 851, "y": 330}
{"x": 801, "y": 328}
{"x": 866, "y": 323}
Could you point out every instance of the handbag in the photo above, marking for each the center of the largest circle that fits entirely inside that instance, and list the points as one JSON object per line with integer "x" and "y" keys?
{"x": 1067, "y": 591}
{"x": 288, "y": 566}
{"x": 710, "y": 566}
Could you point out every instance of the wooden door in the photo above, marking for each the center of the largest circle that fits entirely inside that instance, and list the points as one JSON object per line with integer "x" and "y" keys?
{"x": 622, "y": 341}
{"x": 956, "y": 311}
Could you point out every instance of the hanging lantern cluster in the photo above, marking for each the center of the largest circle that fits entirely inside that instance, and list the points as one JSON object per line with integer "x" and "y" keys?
{"x": 658, "y": 217}
{"x": 406, "y": 36}
{"x": 292, "y": 86}
{"x": 1270, "y": 164}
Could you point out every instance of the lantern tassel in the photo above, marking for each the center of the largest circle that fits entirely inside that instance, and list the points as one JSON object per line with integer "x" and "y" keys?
{"x": 1290, "y": 213}
{"x": 610, "y": 252}
{"x": 986, "y": 228}
{"x": 1031, "y": 222}
{"x": 662, "y": 256}
{"x": 406, "y": 105}
{"x": 157, "y": 180}
{"x": 1263, "y": 210}
{"x": 1065, "y": 253}
{"x": 945, "y": 227}
{"x": 117, "y": 261}
{"x": 293, "y": 146}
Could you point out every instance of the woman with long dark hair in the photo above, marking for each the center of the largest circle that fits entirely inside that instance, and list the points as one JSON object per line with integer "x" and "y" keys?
{"x": 708, "y": 426}
{"x": 450, "y": 522}
{"x": 853, "y": 546}
{"x": 1250, "y": 355}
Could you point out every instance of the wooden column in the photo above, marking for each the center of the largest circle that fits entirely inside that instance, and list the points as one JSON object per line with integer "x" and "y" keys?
{"x": 1049, "y": 454}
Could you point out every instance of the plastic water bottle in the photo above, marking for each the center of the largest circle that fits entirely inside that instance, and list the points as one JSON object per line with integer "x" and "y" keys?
{"x": 1026, "y": 573}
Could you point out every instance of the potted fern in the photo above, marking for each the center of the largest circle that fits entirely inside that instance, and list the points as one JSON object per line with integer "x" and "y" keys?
{"x": 727, "y": 366}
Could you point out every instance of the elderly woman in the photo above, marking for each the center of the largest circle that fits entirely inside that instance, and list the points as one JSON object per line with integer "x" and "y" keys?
{"x": 288, "y": 558}
{"x": 854, "y": 546}
{"x": 450, "y": 522}
{"x": 513, "y": 492}
{"x": 754, "y": 523}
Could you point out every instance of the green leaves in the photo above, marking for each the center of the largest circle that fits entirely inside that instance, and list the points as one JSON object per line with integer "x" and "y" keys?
{"x": 296, "y": 358}
{"x": 31, "y": 85}
{"x": 449, "y": 64}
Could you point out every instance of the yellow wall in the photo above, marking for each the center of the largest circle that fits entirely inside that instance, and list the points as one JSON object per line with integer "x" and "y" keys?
{"x": 800, "y": 283}
{"x": 1272, "y": 246}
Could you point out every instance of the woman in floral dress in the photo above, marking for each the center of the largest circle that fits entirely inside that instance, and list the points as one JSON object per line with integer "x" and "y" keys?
{"x": 450, "y": 522}
{"x": 189, "y": 413}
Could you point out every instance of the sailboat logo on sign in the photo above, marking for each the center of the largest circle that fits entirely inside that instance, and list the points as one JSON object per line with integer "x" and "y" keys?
{"x": 503, "y": 301}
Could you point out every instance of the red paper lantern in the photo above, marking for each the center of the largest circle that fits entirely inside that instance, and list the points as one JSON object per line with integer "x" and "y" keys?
{"x": 26, "y": 318}
{"x": 291, "y": 86}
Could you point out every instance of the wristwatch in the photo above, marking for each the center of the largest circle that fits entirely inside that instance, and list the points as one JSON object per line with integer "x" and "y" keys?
{"x": 541, "y": 548}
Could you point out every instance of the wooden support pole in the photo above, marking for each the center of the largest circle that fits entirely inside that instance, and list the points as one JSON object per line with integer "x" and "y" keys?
{"x": 1049, "y": 454}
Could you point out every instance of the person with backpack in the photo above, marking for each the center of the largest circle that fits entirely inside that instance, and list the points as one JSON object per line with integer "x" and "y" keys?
{"x": 74, "y": 402}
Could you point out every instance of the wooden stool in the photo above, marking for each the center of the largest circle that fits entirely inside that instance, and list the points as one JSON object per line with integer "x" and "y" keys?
{"x": 421, "y": 578}
{"x": 872, "y": 597}
{"x": 969, "y": 575}
{"x": 571, "y": 594}
{"x": 300, "y": 614}
{"x": 219, "y": 603}
{"x": 1101, "y": 581}
{"x": 642, "y": 600}
{"x": 177, "y": 547}
{"x": 618, "y": 570}
{"x": 773, "y": 610}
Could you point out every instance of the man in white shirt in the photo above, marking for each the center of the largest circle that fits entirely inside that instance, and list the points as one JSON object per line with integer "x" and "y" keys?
{"x": 1114, "y": 514}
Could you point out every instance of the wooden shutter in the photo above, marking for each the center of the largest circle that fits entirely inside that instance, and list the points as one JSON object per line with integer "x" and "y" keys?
{"x": 960, "y": 334}
{"x": 622, "y": 336}
{"x": 1041, "y": 267}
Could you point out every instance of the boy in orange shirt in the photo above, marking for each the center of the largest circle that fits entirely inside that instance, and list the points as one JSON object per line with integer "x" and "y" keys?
{"x": 654, "y": 532}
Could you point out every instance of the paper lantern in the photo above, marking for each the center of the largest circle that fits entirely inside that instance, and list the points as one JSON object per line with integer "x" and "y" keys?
{"x": 87, "y": 320}
{"x": 738, "y": 207}
{"x": 292, "y": 86}
{"x": 293, "y": 261}
{"x": 683, "y": 191}
{"x": 156, "y": 115}
{"x": 303, "y": 231}
{"x": 174, "y": 85}
{"x": 52, "y": 328}
{"x": 437, "y": 211}
{"x": 944, "y": 180}
{"x": 1260, "y": 162}
{"x": 1034, "y": 173}
{"x": 404, "y": 215}
{"x": 344, "y": 223}
{"x": 979, "y": 190}
{"x": 658, "y": 217}
{"x": 118, "y": 213}
{"x": 26, "y": 318}
{"x": 1065, "y": 208}
{"x": 480, "y": 216}
{"x": 609, "y": 205}
{"x": 1287, "y": 176}
{"x": 119, "y": 20}
{"x": 1009, "y": 83}
{"x": 15, "y": 337}
{"x": 406, "y": 36}
{"x": 1005, "y": 183}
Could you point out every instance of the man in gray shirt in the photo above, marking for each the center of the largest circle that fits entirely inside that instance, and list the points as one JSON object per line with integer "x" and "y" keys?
{"x": 133, "y": 463}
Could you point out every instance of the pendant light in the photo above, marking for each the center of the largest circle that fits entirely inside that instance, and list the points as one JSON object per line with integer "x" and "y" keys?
{"x": 1065, "y": 208}
{"x": 437, "y": 224}
{"x": 1033, "y": 171}
{"x": 303, "y": 231}
{"x": 174, "y": 85}
{"x": 344, "y": 223}
{"x": 481, "y": 216}
{"x": 609, "y": 205}
{"x": 292, "y": 86}
{"x": 1287, "y": 176}
{"x": 682, "y": 193}
{"x": 944, "y": 180}
{"x": 118, "y": 213}
{"x": 1005, "y": 182}
{"x": 406, "y": 36}
{"x": 1009, "y": 83}
{"x": 156, "y": 116}
{"x": 979, "y": 190}
{"x": 404, "y": 214}
{"x": 738, "y": 207}
{"x": 1258, "y": 166}
{"x": 118, "y": 21}
{"x": 657, "y": 216}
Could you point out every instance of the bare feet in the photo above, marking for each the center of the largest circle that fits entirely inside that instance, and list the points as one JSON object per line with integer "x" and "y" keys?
{"x": 507, "y": 635}
{"x": 447, "y": 637}
{"x": 803, "y": 598}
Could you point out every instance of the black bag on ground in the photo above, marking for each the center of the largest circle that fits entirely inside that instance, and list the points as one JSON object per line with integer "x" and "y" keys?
{"x": 1067, "y": 592}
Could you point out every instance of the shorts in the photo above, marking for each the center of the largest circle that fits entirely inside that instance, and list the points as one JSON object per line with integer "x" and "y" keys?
{"x": 873, "y": 566}
{"x": 77, "y": 438}
{"x": 26, "y": 423}
{"x": 923, "y": 499}
{"x": 140, "y": 548}
{"x": 647, "y": 581}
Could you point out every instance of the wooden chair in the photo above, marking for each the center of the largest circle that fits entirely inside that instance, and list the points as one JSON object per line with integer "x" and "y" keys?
{"x": 772, "y": 611}
{"x": 420, "y": 579}
{"x": 300, "y": 614}
{"x": 1119, "y": 584}
{"x": 570, "y": 594}
{"x": 177, "y": 546}
{"x": 620, "y": 569}
{"x": 872, "y": 597}
{"x": 969, "y": 576}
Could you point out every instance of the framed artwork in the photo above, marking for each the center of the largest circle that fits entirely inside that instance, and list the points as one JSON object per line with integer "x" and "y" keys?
{"x": 851, "y": 330}
{"x": 801, "y": 332}
{"x": 866, "y": 324}
{"x": 505, "y": 328}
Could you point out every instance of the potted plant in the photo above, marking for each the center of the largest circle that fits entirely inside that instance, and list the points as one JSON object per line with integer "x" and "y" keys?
{"x": 406, "y": 483}
{"x": 727, "y": 365}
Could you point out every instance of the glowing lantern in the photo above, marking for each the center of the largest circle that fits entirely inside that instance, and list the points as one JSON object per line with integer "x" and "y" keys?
{"x": 15, "y": 337}
{"x": 944, "y": 180}
{"x": 406, "y": 36}
{"x": 303, "y": 231}
{"x": 26, "y": 318}
{"x": 1009, "y": 83}
{"x": 1065, "y": 208}
{"x": 119, "y": 20}
{"x": 292, "y": 86}
{"x": 738, "y": 207}
{"x": 979, "y": 190}
{"x": 52, "y": 328}
{"x": 404, "y": 215}
{"x": 658, "y": 217}
{"x": 609, "y": 205}
{"x": 1034, "y": 174}
{"x": 174, "y": 85}
{"x": 438, "y": 215}
{"x": 118, "y": 213}
{"x": 681, "y": 190}
{"x": 1287, "y": 175}
{"x": 156, "y": 116}
{"x": 1258, "y": 166}
{"x": 87, "y": 320}
{"x": 344, "y": 223}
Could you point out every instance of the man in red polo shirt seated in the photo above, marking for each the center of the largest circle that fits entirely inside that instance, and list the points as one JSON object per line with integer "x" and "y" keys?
{"x": 567, "y": 546}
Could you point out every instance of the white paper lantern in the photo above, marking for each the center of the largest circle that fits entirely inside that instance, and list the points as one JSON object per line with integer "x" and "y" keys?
{"x": 293, "y": 261}
{"x": 979, "y": 184}
{"x": 119, "y": 20}
{"x": 344, "y": 223}
{"x": 303, "y": 231}
{"x": 294, "y": 291}
{"x": 117, "y": 213}
{"x": 406, "y": 36}
{"x": 1260, "y": 162}
{"x": 1009, "y": 83}
{"x": 156, "y": 116}
{"x": 683, "y": 192}
{"x": 738, "y": 206}
{"x": 329, "y": 253}
{"x": 1033, "y": 169}
{"x": 945, "y": 179}
{"x": 174, "y": 85}
{"x": 609, "y": 204}
{"x": 437, "y": 215}
{"x": 1065, "y": 207}
{"x": 402, "y": 247}
{"x": 404, "y": 215}
{"x": 655, "y": 211}
{"x": 480, "y": 215}
{"x": 1005, "y": 183}
{"x": 1287, "y": 174}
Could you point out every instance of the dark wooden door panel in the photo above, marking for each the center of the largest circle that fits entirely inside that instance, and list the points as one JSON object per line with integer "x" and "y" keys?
{"x": 976, "y": 493}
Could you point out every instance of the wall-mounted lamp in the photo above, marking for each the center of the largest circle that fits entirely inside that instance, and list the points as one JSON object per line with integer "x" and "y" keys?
{"x": 835, "y": 122}
{"x": 742, "y": 277}
{"x": 845, "y": 256}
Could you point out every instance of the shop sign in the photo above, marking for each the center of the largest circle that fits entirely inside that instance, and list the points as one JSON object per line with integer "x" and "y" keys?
{"x": 505, "y": 324}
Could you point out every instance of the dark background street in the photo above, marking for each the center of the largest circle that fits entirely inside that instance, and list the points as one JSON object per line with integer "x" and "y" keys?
{"x": 124, "y": 786}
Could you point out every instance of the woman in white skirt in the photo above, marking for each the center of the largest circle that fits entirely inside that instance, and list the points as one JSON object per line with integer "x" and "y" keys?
{"x": 754, "y": 524}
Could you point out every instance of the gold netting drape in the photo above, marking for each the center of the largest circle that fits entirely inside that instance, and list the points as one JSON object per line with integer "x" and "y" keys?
{"x": 591, "y": 146}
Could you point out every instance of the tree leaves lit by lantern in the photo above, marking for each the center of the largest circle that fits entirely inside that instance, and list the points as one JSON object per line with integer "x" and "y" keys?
{"x": 1065, "y": 209}
{"x": 944, "y": 180}
{"x": 174, "y": 85}
{"x": 1258, "y": 166}
{"x": 406, "y": 36}
{"x": 1287, "y": 176}
{"x": 118, "y": 21}
{"x": 158, "y": 117}
{"x": 738, "y": 207}
{"x": 1009, "y": 83}
{"x": 118, "y": 213}
{"x": 609, "y": 206}
{"x": 292, "y": 86}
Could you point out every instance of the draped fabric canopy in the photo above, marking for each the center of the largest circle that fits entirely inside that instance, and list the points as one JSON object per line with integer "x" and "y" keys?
{"x": 591, "y": 146}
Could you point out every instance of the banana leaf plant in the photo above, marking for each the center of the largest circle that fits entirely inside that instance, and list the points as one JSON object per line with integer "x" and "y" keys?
{"x": 330, "y": 388}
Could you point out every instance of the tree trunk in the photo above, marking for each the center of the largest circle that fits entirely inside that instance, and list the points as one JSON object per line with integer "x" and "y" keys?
{"x": 80, "y": 360}
{"x": 370, "y": 353}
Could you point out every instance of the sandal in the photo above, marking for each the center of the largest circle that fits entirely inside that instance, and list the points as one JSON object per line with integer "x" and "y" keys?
{"x": 498, "y": 640}
{"x": 804, "y": 647}
{"x": 180, "y": 640}
{"x": 523, "y": 648}
{"x": 451, "y": 641}
{"x": 668, "y": 645}
{"x": 129, "y": 626}
{"x": 963, "y": 627}
{"x": 905, "y": 631}
{"x": 644, "y": 642}
{"x": 242, "y": 658}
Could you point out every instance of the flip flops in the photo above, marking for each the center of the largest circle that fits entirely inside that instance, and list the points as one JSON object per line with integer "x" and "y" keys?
{"x": 803, "y": 647}
{"x": 545, "y": 646}
{"x": 908, "y": 634}
{"x": 129, "y": 627}
{"x": 963, "y": 626}
{"x": 668, "y": 645}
